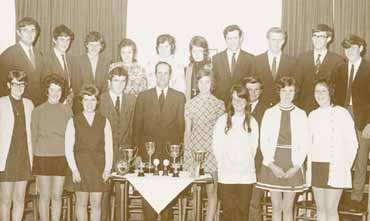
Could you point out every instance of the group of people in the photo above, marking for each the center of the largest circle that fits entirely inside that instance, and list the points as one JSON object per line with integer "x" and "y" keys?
{"x": 269, "y": 122}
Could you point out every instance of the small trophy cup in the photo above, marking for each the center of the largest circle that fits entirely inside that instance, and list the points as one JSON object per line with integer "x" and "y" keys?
{"x": 199, "y": 158}
{"x": 125, "y": 162}
{"x": 150, "y": 149}
{"x": 156, "y": 170}
{"x": 175, "y": 151}
{"x": 165, "y": 167}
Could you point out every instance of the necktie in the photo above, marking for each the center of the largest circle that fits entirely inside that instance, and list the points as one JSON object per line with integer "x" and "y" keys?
{"x": 318, "y": 63}
{"x": 273, "y": 68}
{"x": 161, "y": 100}
{"x": 233, "y": 63}
{"x": 32, "y": 57}
{"x": 349, "y": 89}
{"x": 117, "y": 105}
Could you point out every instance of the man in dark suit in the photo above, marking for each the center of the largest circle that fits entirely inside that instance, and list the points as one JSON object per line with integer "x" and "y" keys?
{"x": 23, "y": 56}
{"x": 315, "y": 64}
{"x": 159, "y": 117}
{"x": 352, "y": 90}
{"x": 255, "y": 89}
{"x": 119, "y": 108}
{"x": 273, "y": 64}
{"x": 58, "y": 61}
{"x": 231, "y": 65}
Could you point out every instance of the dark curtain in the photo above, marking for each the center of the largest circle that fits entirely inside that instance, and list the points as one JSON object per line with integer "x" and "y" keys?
{"x": 81, "y": 16}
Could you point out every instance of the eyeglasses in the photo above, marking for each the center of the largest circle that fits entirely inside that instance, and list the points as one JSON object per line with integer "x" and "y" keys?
{"x": 320, "y": 36}
{"x": 15, "y": 84}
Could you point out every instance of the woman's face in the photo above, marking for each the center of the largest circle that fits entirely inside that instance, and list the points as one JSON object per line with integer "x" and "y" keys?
{"x": 89, "y": 103}
{"x": 197, "y": 53}
{"x": 16, "y": 88}
{"x": 204, "y": 85}
{"x": 54, "y": 93}
{"x": 164, "y": 49}
{"x": 322, "y": 95}
{"x": 127, "y": 54}
{"x": 287, "y": 95}
{"x": 238, "y": 103}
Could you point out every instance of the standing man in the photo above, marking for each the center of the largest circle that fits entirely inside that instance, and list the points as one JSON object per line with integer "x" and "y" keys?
{"x": 231, "y": 65}
{"x": 23, "y": 56}
{"x": 57, "y": 61}
{"x": 315, "y": 64}
{"x": 256, "y": 90}
{"x": 273, "y": 64}
{"x": 352, "y": 90}
{"x": 159, "y": 117}
{"x": 119, "y": 108}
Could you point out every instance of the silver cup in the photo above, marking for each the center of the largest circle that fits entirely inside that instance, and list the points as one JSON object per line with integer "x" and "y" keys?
{"x": 199, "y": 157}
{"x": 150, "y": 149}
{"x": 127, "y": 156}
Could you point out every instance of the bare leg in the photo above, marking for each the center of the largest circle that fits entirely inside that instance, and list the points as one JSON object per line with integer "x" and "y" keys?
{"x": 212, "y": 201}
{"x": 277, "y": 207}
{"x": 319, "y": 194}
{"x": 332, "y": 197}
{"x": 44, "y": 188}
{"x": 56, "y": 197}
{"x": 6, "y": 192}
{"x": 288, "y": 203}
{"x": 18, "y": 200}
{"x": 81, "y": 205}
{"x": 95, "y": 202}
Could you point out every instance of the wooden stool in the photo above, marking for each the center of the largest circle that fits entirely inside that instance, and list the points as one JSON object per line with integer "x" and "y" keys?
{"x": 67, "y": 205}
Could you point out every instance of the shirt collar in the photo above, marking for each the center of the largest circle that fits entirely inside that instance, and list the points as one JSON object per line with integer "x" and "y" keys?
{"x": 114, "y": 96}
{"x": 356, "y": 64}
{"x": 271, "y": 56}
{"x": 230, "y": 53}
{"x": 322, "y": 54}
{"x": 58, "y": 53}
{"x": 159, "y": 91}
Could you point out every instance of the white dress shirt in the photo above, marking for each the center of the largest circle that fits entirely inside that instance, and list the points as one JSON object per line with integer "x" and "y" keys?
{"x": 322, "y": 55}
{"x": 159, "y": 91}
{"x": 230, "y": 57}
{"x": 271, "y": 57}
{"x": 356, "y": 67}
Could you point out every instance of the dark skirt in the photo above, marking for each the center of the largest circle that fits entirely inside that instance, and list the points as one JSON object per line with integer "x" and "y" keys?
{"x": 49, "y": 166}
{"x": 268, "y": 181}
{"x": 320, "y": 175}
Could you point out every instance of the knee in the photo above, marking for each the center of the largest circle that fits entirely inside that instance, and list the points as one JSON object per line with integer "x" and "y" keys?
{"x": 6, "y": 200}
{"x": 277, "y": 207}
{"x": 56, "y": 198}
{"x": 331, "y": 210}
{"x": 18, "y": 198}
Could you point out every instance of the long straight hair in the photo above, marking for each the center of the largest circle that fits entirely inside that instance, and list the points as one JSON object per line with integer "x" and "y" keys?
{"x": 241, "y": 92}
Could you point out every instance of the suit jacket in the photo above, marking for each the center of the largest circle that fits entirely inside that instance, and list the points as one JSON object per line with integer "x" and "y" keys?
{"x": 150, "y": 124}
{"x": 305, "y": 76}
{"x": 360, "y": 91}
{"x": 263, "y": 72}
{"x": 121, "y": 124}
{"x": 224, "y": 79}
{"x": 15, "y": 58}
{"x": 52, "y": 66}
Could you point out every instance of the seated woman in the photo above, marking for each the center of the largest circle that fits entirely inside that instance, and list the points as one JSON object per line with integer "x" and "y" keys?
{"x": 48, "y": 124}
{"x": 332, "y": 151}
{"x": 137, "y": 78}
{"x": 89, "y": 153}
{"x": 15, "y": 147}
{"x": 235, "y": 142}
{"x": 284, "y": 145}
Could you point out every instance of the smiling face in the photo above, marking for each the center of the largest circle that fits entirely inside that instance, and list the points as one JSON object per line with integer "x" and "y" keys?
{"x": 238, "y": 103}
{"x": 353, "y": 53}
{"x": 320, "y": 40}
{"x": 89, "y": 103}
{"x": 197, "y": 53}
{"x": 233, "y": 40}
{"x": 127, "y": 54}
{"x": 322, "y": 95}
{"x": 93, "y": 48}
{"x": 62, "y": 43}
{"x": 54, "y": 93}
{"x": 287, "y": 94}
{"x": 204, "y": 85}
{"x": 16, "y": 88}
{"x": 27, "y": 34}
{"x": 163, "y": 75}
{"x": 254, "y": 90}
{"x": 275, "y": 42}
{"x": 117, "y": 84}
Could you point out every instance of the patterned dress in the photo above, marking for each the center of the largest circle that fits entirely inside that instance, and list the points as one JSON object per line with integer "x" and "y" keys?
{"x": 203, "y": 111}
{"x": 137, "y": 81}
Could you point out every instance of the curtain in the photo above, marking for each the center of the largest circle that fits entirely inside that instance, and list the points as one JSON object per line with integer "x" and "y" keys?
{"x": 351, "y": 17}
{"x": 298, "y": 19}
{"x": 81, "y": 16}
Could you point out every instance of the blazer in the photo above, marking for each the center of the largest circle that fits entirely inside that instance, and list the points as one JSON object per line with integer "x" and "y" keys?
{"x": 150, "y": 124}
{"x": 7, "y": 124}
{"x": 245, "y": 66}
{"x": 121, "y": 124}
{"x": 360, "y": 91}
{"x": 14, "y": 58}
{"x": 82, "y": 73}
{"x": 52, "y": 66}
{"x": 305, "y": 76}
{"x": 270, "y": 128}
{"x": 263, "y": 72}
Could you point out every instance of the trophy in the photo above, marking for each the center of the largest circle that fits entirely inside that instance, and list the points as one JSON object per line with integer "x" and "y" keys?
{"x": 175, "y": 151}
{"x": 150, "y": 149}
{"x": 165, "y": 167}
{"x": 124, "y": 164}
{"x": 156, "y": 164}
{"x": 199, "y": 158}
{"x": 140, "y": 165}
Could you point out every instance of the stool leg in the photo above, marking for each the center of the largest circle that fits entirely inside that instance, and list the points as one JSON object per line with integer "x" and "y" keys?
{"x": 35, "y": 209}
{"x": 113, "y": 206}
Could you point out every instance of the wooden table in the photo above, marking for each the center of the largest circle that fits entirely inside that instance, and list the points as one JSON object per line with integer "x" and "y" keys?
{"x": 124, "y": 186}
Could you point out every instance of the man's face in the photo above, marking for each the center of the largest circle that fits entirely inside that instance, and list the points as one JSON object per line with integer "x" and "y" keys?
{"x": 254, "y": 90}
{"x": 117, "y": 84}
{"x": 320, "y": 40}
{"x": 93, "y": 48}
{"x": 162, "y": 75}
{"x": 353, "y": 53}
{"x": 62, "y": 43}
{"x": 233, "y": 40}
{"x": 27, "y": 34}
{"x": 275, "y": 42}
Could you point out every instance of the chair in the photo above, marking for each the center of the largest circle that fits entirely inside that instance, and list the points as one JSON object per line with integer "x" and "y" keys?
{"x": 305, "y": 209}
{"x": 266, "y": 205}
{"x": 31, "y": 201}
{"x": 67, "y": 205}
{"x": 363, "y": 214}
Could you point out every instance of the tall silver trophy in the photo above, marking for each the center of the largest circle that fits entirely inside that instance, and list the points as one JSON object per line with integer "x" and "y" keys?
{"x": 150, "y": 149}
{"x": 175, "y": 151}
{"x": 199, "y": 157}
{"x": 125, "y": 162}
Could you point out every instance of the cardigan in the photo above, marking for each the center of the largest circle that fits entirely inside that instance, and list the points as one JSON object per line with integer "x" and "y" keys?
{"x": 332, "y": 129}
{"x": 7, "y": 125}
{"x": 270, "y": 128}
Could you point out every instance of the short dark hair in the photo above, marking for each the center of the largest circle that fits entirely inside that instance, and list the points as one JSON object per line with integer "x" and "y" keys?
{"x": 329, "y": 85}
{"x": 165, "y": 63}
{"x": 128, "y": 43}
{"x": 204, "y": 72}
{"x": 89, "y": 90}
{"x": 276, "y": 30}
{"x": 323, "y": 28}
{"x": 28, "y": 21}
{"x": 252, "y": 80}
{"x": 285, "y": 82}
{"x": 93, "y": 36}
{"x": 53, "y": 79}
{"x": 63, "y": 30}
{"x": 118, "y": 71}
{"x": 18, "y": 75}
{"x": 201, "y": 42}
{"x": 232, "y": 28}
{"x": 166, "y": 38}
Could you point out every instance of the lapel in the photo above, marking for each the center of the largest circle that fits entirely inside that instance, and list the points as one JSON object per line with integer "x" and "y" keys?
{"x": 24, "y": 55}
{"x": 88, "y": 70}
{"x": 225, "y": 63}
{"x": 167, "y": 107}
{"x": 282, "y": 66}
{"x": 154, "y": 104}
{"x": 99, "y": 71}
{"x": 55, "y": 61}
{"x": 238, "y": 62}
